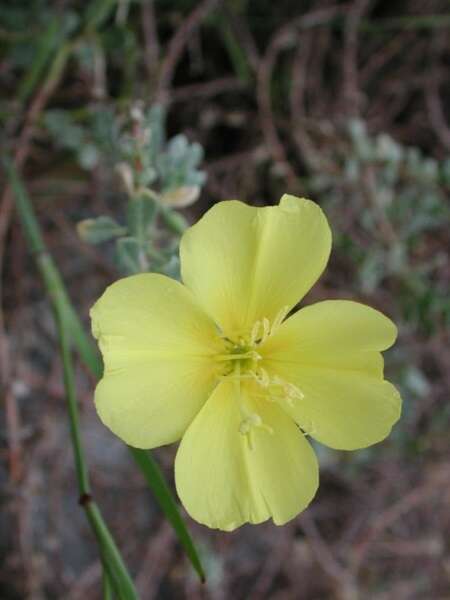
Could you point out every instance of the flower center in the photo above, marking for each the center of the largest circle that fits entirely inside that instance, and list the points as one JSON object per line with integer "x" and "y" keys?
{"x": 244, "y": 363}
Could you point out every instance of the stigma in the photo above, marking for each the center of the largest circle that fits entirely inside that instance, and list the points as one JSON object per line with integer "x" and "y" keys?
{"x": 243, "y": 364}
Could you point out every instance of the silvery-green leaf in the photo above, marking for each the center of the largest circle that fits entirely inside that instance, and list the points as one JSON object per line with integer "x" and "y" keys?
{"x": 195, "y": 178}
{"x": 101, "y": 229}
{"x": 194, "y": 155}
{"x": 63, "y": 129}
{"x": 371, "y": 272}
{"x": 129, "y": 255}
{"x": 147, "y": 176}
{"x": 177, "y": 148}
{"x": 88, "y": 156}
{"x": 140, "y": 214}
{"x": 445, "y": 171}
{"x": 155, "y": 122}
{"x": 352, "y": 169}
{"x": 172, "y": 268}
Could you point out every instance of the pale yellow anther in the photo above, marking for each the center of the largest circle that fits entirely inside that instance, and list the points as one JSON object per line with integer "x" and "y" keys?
{"x": 311, "y": 430}
{"x": 255, "y": 333}
{"x": 263, "y": 377}
{"x": 266, "y": 329}
{"x": 251, "y": 421}
{"x": 244, "y": 363}
{"x": 293, "y": 391}
{"x": 281, "y": 315}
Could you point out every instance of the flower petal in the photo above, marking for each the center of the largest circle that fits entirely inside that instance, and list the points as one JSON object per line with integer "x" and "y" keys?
{"x": 223, "y": 482}
{"x": 330, "y": 351}
{"x": 245, "y": 263}
{"x": 344, "y": 410}
{"x": 337, "y": 334}
{"x": 157, "y": 345}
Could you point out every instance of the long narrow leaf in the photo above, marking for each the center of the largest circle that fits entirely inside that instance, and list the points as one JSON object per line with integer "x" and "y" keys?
{"x": 156, "y": 481}
{"x": 88, "y": 354}
{"x": 114, "y": 564}
{"x": 47, "y": 45}
{"x": 115, "y": 568}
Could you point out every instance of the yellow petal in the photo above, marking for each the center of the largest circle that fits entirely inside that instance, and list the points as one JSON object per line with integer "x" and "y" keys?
{"x": 245, "y": 263}
{"x": 337, "y": 334}
{"x": 223, "y": 482}
{"x": 157, "y": 345}
{"x": 330, "y": 352}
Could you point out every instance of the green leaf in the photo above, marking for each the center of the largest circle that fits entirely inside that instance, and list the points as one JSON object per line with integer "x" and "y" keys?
{"x": 110, "y": 553}
{"x": 156, "y": 481}
{"x": 97, "y": 13}
{"x": 55, "y": 289}
{"x": 155, "y": 122}
{"x": 47, "y": 44}
{"x": 141, "y": 212}
{"x": 89, "y": 355}
{"x": 174, "y": 220}
{"x": 107, "y": 589}
{"x": 130, "y": 255}
{"x": 101, "y": 229}
{"x": 65, "y": 132}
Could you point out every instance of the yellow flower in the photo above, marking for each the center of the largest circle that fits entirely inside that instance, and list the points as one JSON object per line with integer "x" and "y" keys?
{"x": 216, "y": 363}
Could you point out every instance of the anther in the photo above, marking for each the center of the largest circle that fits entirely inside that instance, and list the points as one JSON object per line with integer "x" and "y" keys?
{"x": 281, "y": 315}
{"x": 266, "y": 329}
{"x": 255, "y": 333}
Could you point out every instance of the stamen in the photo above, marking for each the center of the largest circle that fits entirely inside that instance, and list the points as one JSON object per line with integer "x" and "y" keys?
{"x": 281, "y": 315}
{"x": 254, "y": 333}
{"x": 248, "y": 424}
{"x": 266, "y": 330}
{"x": 277, "y": 389}
{"x": 311, "y": 430}
{"x": 239, "y": 356}
{"x": 244, "y": 363}
{"x": 262, "y": 377}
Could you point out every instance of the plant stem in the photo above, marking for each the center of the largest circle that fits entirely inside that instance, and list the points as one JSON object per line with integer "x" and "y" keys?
{"x": 56, "y": 290}
{"x": 114, "y": 565}
{"x": 69, "y": 384}
{"x": 108, "y": 592}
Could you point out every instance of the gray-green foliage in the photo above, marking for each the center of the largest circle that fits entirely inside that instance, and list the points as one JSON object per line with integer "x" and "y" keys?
{"x": 157, "y": 174}
{"x": 139, "y": 142}
{"x": 387, "y": 202}
{"x": 395, "y": 198}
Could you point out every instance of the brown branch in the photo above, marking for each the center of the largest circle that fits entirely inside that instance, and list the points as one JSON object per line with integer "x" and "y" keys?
{"x": 351, "y": 91}
{"x": 177, "y": 46}
{"x": 302, "y": 140}
{"x": 341, "y": 578}
{"x": 206, "y": 90}
{"x": 435, "y": 111}
{"x": 151, "y": 42}
{"x": 433, "y": 485}
{"x": 283, "y": 39}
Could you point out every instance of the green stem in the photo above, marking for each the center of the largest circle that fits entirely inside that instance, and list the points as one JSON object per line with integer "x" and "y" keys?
{"x": 113, "y": 561}
{"x": 64, "y": 316}
{"x": 74, "y": 420}
{"x": 49, "y": 273}
{"x": 58, "y": 295}
{"x": 116, "y": 569}
{"x": 108, "y": 592}
{"x": 47, "y": 44}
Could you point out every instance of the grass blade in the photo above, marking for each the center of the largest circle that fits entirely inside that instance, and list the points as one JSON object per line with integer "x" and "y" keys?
{"x": 157, "y": 482}
{"x": 47, "y": 45}
{"x": 112, "y": 559}
{"x": 88, "y": 354}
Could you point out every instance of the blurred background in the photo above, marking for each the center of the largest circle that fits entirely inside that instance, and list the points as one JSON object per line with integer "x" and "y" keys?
{"x": 346, "y": 103}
